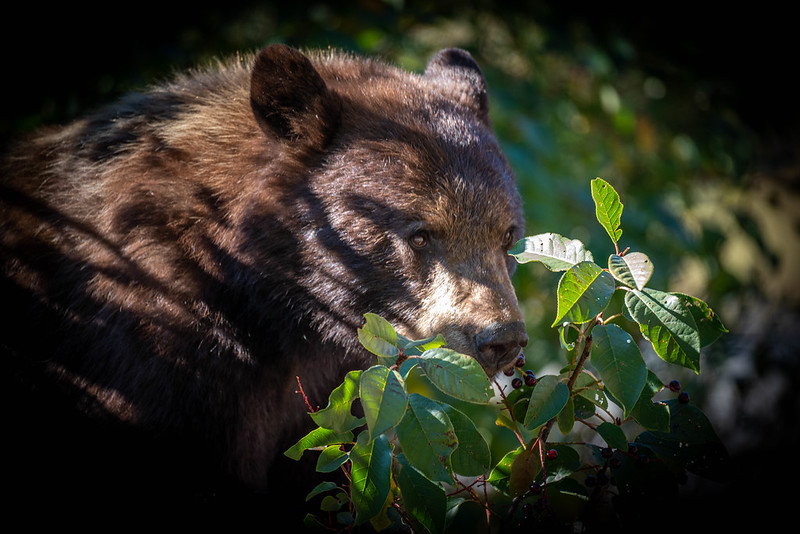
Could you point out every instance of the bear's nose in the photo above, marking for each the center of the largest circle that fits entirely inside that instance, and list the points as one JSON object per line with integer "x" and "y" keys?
{"x": 499, "y": 343}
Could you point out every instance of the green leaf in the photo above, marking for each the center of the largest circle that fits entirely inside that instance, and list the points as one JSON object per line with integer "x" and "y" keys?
{"x": 566, "y": 417}
{"x": 457, "y": 375}
{"x": 370, "y": 475}
{"x": 613, "y": 435}
{"x": 583, "y": 292}
{"x": 423, "y": 499}
{"x": 427, "y": 437}
{"x": 608, "y": 208}
{"x": 501, "y": 474}
{"x": 548, "y": 398}
{"x": 651, "y": 415}
{"x": 337, "y": 415}
{"x": 634, "y": 269}
{"x": 588, "y": 387}
{"x": 330, "y": 459}
{"x": 333, "y": 503}
{"x": 567, "y": 462}
{"x": 379, "y": 337}
{"x": 318, "y": 438}
{"x": 619, "y": 363}
{"x": 472, "y": 457}
{"x": 668, "y": 323}
{"x": 417, "y": 347}
{"x": 556, "y": 252}
{"x": 322, "y": 487}
{"x": 383, "y": 398}
{"x": 692, "y": 443}
{"x": 709, "y": 325}
{"x": 567, "y": 336}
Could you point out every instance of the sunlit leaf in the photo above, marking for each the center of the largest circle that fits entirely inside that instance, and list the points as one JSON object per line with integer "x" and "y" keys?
{"x": 668, "y": 323}
{"x": 608, "y": 208}
{"x": 318, "y": 438}
{"x": 427, "y": 437}
{"x": 379, "y": 337}
{"x": 619, "y": 363}
{"x": 589, "y": 388}
{"x": 709, "y": 325}
{"x": 383, "y": 398}
{"x": 634, "y": 269}
{"x": 337, "y": 414}
{"x": 548, "y": 398}
{"x": 501, "y": 474}
{"x": 457, "y": 375}
{"x": 370, "y": 475}
{"x": 583, "y": 292}
{"x": 556, "y": 252}
{"x": 330, "y": 459}
{"x": 416, "y": 347}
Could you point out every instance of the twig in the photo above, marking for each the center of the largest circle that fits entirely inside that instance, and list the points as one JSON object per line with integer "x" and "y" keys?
{"x": 310, "y": 409}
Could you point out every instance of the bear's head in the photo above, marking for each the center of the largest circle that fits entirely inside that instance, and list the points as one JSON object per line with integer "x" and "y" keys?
{"x": 398, "y": 197}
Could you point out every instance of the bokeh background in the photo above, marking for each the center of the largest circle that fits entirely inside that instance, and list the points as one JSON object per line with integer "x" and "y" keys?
{"x": 690, "y": 113}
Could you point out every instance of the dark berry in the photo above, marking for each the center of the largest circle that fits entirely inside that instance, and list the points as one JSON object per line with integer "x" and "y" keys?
{"x": 683, "y": 397}
{"x": 509, "y": 372}
{"x": 536, "y": 488}
{"x": 590, "y": 481}
{"x": 615, "y": 463}
{"x": 527, "y": 508}
{"x": 520, "y": 361}
{"x": 530, "y": 380}
{"x": 644, "y": 459}
{"x": 632, "y": 448}
{"x": 674, "y": 386}
{"x": 552, "y": 454}
{"x": 607, "y": 452}
{"x": 516, "y": 383}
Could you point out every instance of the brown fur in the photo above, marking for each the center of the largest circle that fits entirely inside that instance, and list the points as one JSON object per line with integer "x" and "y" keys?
{"x": 174, "y": 261}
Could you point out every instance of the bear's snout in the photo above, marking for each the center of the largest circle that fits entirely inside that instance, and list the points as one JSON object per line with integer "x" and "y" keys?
{"x": 500, "y": 343}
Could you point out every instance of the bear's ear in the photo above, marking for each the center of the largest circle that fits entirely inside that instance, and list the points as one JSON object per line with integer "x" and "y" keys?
{"x": 457, "y": 70}
{"x": 290, "y": 99}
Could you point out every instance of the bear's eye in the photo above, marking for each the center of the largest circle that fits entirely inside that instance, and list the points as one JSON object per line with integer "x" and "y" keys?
{"x": 508, "y": 239}
{"x": 419, "y": 239}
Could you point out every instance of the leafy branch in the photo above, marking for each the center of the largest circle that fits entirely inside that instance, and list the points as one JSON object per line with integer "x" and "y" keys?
{"x": 408, "y": 457}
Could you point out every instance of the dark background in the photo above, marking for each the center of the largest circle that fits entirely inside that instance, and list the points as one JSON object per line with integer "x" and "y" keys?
{"x": 706, "y": 165}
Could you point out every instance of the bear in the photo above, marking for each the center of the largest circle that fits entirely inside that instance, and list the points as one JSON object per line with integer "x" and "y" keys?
{"x": 174, "y": 263}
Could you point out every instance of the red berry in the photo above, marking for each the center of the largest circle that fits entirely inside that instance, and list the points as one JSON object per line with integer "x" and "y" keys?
{"x": 520, "y": 361}
{"x": 530, "y": 380}
{"x": 552, "y": 454}
{"x": 516, "y": 383}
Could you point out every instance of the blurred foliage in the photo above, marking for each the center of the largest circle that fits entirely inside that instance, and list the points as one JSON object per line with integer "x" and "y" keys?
{"x": 572, "y": 98}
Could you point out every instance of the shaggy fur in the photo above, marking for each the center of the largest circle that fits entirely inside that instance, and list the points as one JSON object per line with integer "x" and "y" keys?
{"x": 174, "y": 261}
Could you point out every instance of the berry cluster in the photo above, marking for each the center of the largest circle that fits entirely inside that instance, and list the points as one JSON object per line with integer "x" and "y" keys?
{"x": 527, "y": 377}
{"x": 683, "y": 396}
